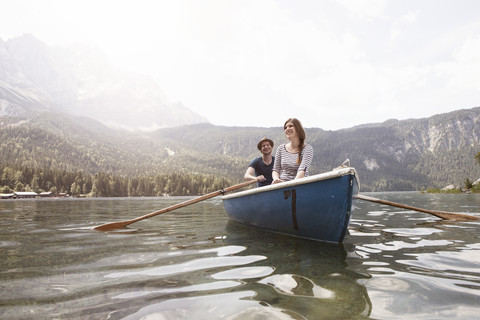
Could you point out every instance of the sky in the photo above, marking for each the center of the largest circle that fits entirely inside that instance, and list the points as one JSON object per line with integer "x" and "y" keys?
{"x": 332, "y": 64}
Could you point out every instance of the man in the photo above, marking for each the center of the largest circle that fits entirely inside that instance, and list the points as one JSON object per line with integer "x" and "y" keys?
{"x": 261, "y": 168}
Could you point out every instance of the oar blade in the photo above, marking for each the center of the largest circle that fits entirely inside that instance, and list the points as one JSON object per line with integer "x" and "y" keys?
{"x": 112, "y": 226}
{"x": 441, "y": 214}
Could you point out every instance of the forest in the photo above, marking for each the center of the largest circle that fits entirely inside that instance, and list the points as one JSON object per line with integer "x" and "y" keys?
{"x": 105, "y": 184}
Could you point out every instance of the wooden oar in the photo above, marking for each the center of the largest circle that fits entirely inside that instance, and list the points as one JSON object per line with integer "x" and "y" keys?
{"x": 441, "y": 214}
{"x": 122, "y": 224}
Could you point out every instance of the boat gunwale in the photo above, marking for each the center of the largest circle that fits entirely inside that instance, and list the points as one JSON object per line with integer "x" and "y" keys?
{"x": 314, "y": 178}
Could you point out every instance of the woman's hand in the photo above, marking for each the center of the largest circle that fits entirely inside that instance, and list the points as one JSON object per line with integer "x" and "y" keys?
{"x": 300, "y": 174}
{"x": 276, "y": 177}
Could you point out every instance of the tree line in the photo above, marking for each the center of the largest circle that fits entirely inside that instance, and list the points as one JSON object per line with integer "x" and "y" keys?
{"x": 106, "y": 184}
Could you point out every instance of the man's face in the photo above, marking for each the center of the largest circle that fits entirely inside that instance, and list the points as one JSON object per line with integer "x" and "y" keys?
{"x": 266, "y": 148}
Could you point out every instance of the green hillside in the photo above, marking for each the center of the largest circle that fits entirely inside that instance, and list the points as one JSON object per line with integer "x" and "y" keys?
{"x": 391, "y": 156}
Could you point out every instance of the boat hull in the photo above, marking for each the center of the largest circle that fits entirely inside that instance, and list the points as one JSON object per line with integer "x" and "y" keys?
{"x": 317, "y": 207}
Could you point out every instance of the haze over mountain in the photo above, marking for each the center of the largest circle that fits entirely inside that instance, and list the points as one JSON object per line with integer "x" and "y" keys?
{"x": 79, "y": 80}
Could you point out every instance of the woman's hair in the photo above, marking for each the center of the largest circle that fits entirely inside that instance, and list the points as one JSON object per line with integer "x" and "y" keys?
{"x": 300, "y": 133}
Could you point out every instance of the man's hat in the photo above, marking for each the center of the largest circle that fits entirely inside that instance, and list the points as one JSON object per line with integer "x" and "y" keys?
{"x": 259, "y": 145}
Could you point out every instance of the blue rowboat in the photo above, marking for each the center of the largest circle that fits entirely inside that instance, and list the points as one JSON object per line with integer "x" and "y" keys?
{"x": 317, "y": 207}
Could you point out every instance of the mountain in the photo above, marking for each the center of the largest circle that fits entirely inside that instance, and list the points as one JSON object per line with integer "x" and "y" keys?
{"x": 395, "y": 155}
{"x": 68, "y": 108}
{"x": 81, "y": 81}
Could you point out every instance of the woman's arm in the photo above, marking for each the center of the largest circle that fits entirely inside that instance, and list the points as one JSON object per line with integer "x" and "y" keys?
{"x": 277, "y": 165}
{"x": 307, "y": 157}
{"x": 276, "y": 177}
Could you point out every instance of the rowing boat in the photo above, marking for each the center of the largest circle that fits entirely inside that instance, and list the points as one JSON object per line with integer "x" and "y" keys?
{"x": 317, "y": 207}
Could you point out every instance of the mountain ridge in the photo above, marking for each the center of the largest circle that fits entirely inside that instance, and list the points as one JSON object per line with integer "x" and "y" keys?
{"x": 391, "y": 156}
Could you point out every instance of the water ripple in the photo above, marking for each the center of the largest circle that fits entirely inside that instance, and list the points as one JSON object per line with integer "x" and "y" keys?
{"x": 185, "y": 289}
{"x": 237, "y": 305}
{"x": 298, "y": 286}
{"x": 189, "y": 266}
{"x": 244, "y": 273}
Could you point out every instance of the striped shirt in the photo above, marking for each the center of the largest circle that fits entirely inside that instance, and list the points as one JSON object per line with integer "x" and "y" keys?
{"x": 286, "y": 163}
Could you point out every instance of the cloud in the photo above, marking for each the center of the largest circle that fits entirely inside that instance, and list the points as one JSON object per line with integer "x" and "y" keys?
{"x": 463, "y": 71}
{"x": 366, "y": 9}
{"x": 333, "y": 63}
{"x": 263, "y": 62}
{"x": 397, "y": 29}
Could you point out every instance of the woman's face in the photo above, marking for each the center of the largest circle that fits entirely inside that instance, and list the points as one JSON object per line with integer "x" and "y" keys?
{"x": 290, "y": 131}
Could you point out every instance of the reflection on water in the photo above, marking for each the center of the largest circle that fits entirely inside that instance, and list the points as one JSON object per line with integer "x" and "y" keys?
{"x": 195, "y": 264}
{"x": 418, "y": 277}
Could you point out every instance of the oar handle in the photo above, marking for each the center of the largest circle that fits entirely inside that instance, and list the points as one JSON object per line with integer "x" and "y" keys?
{"x": 194, "y": 200}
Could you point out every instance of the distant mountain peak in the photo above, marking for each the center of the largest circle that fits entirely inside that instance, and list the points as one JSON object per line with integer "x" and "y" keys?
{"x": 79, "y": 79}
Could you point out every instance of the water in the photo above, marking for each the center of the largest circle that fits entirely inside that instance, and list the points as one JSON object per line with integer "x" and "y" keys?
{"x": 194, "y": 263}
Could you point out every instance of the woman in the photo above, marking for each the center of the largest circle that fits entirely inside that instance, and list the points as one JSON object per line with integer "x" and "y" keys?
{"x": 292, "y": 159}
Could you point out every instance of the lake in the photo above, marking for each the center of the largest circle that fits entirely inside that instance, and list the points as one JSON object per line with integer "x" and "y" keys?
{"x": 193, "y": 263}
